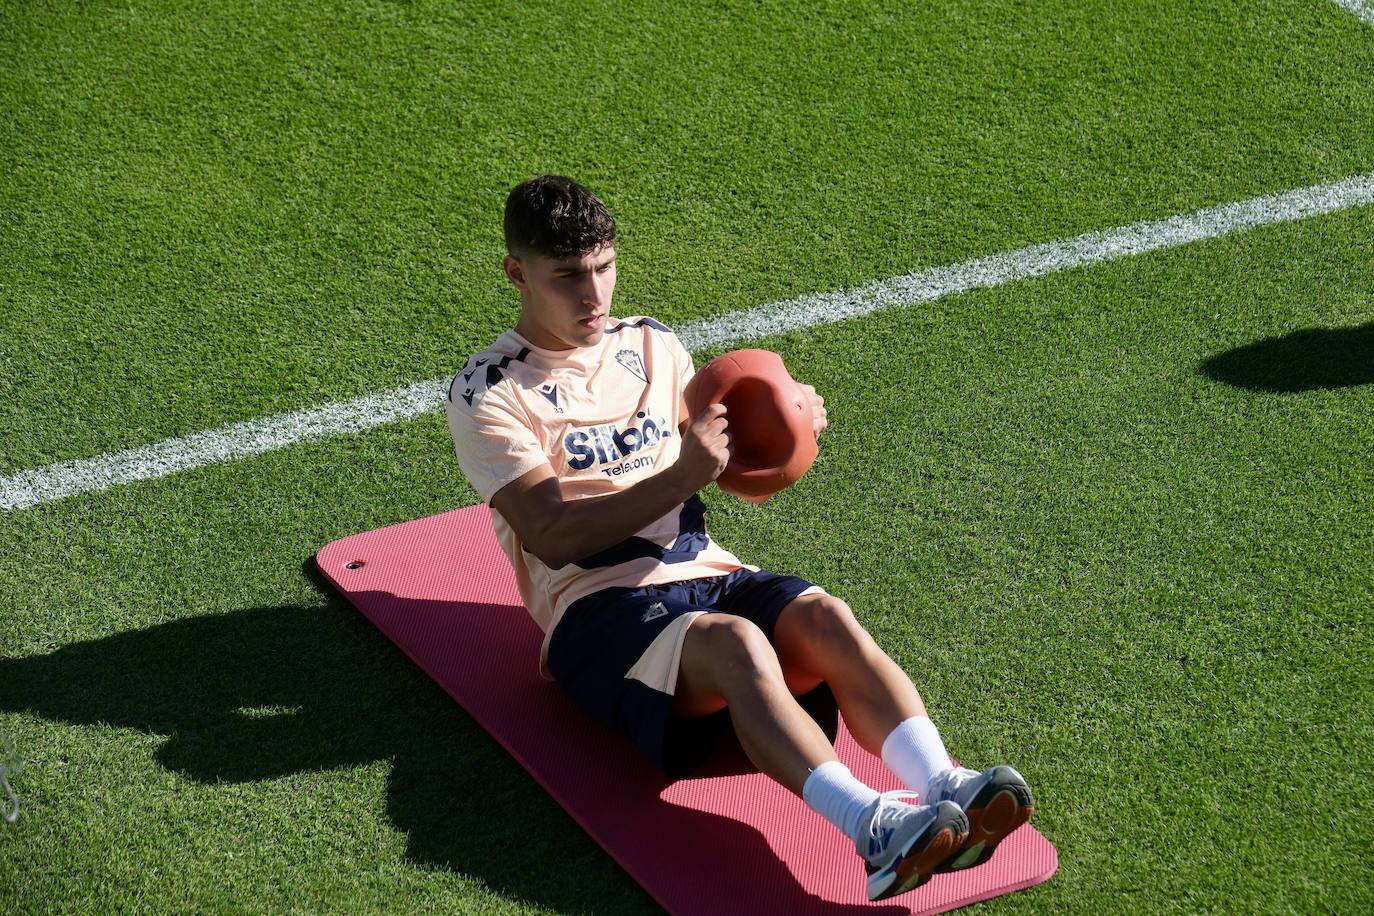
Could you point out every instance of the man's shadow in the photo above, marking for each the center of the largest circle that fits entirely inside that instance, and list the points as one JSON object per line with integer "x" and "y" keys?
{"x": 1305, "y": 360}
{"x": 267, "y": 692}
{"x": 263, "y": 693}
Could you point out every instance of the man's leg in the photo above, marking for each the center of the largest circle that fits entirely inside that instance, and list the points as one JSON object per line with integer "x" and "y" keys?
{"x": 726, "y": 660}
{"x": 817, "y": 638}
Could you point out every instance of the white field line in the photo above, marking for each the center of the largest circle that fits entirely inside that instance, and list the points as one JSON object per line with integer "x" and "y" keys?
{"x": 255, "y": 437}
{"x": 1362, "y": 8}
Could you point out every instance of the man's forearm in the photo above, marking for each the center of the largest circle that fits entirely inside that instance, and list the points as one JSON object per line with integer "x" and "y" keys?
{"x": 582, "y": 527}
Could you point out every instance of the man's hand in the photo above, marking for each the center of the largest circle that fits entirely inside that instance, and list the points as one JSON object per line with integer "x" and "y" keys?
{"x": 818, "y": 420}
{"x": 705, "y": 448}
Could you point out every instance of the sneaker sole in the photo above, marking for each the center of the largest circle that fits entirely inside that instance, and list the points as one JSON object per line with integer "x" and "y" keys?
{"x": 925, "y": 851}
{"x": 1003, "y": 805}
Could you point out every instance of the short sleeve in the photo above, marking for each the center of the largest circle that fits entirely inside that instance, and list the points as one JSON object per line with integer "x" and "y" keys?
{"x": 493, "y": 441}
{"x": 684, "y": 359}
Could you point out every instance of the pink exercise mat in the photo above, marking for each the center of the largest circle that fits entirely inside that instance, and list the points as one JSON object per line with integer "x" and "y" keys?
{"x": 727, "y": 840}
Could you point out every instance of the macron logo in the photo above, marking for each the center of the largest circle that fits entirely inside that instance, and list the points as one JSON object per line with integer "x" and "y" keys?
{"x": 655, "y": 611}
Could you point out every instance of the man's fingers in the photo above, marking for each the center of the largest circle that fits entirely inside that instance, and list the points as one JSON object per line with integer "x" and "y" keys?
{"x": 714, "y": 426}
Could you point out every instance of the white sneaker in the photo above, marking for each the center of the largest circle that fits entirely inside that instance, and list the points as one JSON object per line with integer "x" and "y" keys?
{"x": 902, "y": 843}
{"x": 995, "y": 801}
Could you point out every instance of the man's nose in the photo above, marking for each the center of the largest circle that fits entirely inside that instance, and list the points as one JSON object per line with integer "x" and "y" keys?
{"x": 597, "y": 291}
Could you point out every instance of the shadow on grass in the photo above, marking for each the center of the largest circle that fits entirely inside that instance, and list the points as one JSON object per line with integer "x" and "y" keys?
{"x": 267, "y": 692}
{"x": 1304, "y": 360}
{"x": 262, "y": 693}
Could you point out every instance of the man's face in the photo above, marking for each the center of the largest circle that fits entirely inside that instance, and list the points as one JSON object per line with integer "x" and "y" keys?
{"x": 566, "y": 301}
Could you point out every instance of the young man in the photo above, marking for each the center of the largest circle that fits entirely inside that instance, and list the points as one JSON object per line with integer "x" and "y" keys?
{"x": 572, "y": 426}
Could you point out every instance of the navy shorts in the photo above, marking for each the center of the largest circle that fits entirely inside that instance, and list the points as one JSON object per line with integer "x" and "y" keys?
{"x": 616, "y": 653}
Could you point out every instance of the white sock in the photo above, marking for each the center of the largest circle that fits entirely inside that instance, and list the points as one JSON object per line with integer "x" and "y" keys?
{"x": 833, "y": 793}
{"x": 915, "y": 753}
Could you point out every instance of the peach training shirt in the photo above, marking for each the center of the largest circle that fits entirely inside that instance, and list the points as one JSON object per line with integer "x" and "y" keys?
{"x": 604, "y": 417}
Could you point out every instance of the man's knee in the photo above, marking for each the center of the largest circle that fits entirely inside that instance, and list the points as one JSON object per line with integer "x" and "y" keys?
{"x": 720, "y": 653}
{"x": 816, "y": 624}
{"x": 732, "y": 646}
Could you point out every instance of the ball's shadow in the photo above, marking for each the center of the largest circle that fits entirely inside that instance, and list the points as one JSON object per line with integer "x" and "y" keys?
{"x": 1305, "y": 360}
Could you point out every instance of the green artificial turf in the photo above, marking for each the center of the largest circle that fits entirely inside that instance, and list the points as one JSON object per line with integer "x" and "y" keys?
{"x": 1117, "y": 523}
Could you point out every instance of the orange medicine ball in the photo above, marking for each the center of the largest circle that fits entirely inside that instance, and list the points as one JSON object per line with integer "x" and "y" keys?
{"x": 769, "y": 420}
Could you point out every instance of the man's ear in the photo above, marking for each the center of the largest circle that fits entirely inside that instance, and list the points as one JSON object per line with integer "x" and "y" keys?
{"x": 515, "y": 271}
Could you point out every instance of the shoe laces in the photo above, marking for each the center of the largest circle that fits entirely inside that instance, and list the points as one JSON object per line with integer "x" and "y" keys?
{"x": 890, "y": 811}
{"x": 946, "y": 785}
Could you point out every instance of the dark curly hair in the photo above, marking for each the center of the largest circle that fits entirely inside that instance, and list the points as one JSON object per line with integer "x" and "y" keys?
{"x": 556, "y": 217}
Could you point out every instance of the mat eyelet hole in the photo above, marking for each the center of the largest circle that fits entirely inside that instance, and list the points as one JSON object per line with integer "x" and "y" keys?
{"x": 355, "y": 564}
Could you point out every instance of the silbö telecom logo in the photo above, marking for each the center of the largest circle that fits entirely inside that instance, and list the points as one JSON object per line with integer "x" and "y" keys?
{"x": 605, "y": 444}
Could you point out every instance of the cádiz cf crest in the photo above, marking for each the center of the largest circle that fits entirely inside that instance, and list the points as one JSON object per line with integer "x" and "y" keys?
{"x": 630, "y": 360}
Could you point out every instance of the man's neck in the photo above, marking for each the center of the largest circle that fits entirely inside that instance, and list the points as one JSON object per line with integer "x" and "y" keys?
{"x": 539, "y": 338}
